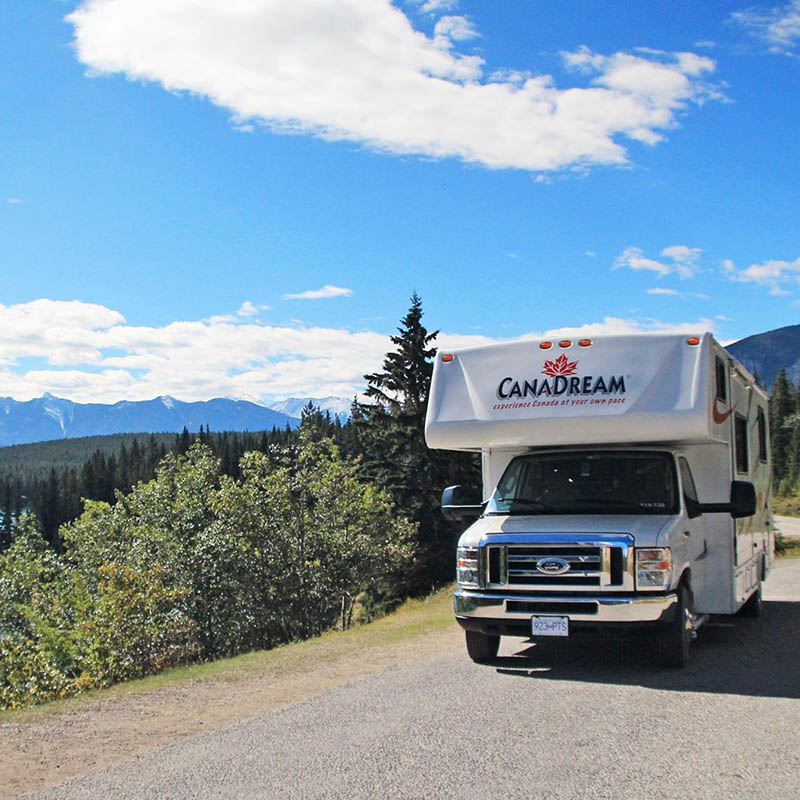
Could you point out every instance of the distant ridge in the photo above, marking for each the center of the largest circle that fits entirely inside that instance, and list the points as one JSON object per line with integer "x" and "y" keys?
{"x": 766, "y": 354}
{"x": 48, "y": 417}
{"x": 293, "y": 406}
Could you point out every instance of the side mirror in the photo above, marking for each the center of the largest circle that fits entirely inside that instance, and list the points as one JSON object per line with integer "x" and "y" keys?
{"x": 743, "y": 499}
{"x": 453, "y": 507}
{"x": 742, "y": 502}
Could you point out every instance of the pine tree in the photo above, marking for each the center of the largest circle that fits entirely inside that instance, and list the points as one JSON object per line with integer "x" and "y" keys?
{"x": 183, "y": 442}
{"x": 8, "y": 515}
{"x": 782, "y": 408}
{"x": 402, "y": 387}
{"x": 390, "y": 433}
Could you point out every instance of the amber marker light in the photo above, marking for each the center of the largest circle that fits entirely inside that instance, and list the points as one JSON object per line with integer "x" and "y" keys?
{"x": 584, "y": 342}
{"x": 545, "y": 345}
{"x": 693, "y": 340}
{"x": 565, "y": 343}
{"x": 447, "y": 358}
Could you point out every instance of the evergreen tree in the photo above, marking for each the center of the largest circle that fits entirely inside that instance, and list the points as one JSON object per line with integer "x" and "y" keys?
{"x": 124, "y": 477}
{"x": 183, "y": 442}
{"x": 402, "y": 387}
{"x": 8, "y": 515}
{"x": 390, "y": 433}
{"x": 137, "y": 463}
{"x": 782, "y": 408}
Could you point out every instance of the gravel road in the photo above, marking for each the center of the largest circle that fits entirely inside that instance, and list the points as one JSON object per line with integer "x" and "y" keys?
{"x": 542, "y": 721}
{"x": 788, "y": 526}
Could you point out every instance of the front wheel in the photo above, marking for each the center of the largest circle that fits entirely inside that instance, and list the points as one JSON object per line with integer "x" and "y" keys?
{"x": 674, "y": 640}
{"x": 482, "y": 647}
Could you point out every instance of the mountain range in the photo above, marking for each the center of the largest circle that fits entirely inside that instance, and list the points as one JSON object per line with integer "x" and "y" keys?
{"x": 49, "y": 417}
{"x": 766, "y": 354}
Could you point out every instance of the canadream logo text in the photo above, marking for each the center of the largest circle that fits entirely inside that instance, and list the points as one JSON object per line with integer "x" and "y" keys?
{"x": 561, "y": 380}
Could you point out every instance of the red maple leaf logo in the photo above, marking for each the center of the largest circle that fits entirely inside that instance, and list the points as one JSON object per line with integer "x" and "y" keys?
{"x": 561, "y": 366}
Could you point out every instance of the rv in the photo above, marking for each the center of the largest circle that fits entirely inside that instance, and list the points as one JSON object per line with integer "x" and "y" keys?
{"x": 626, "y": 487}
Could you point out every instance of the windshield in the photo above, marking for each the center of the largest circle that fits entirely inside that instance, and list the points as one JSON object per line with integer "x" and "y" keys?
{"x": 587, "y": 483}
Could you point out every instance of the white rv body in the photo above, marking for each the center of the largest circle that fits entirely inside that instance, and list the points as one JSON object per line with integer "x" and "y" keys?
{"x": 635, "y": 401}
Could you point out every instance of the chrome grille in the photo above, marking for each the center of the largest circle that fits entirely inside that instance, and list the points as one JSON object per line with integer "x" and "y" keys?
{"x": 584, "y": 565}
{"x": 587, "y": 563}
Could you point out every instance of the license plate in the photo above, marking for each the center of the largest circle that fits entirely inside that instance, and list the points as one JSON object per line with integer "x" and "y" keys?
{"x": 550, "y": 626}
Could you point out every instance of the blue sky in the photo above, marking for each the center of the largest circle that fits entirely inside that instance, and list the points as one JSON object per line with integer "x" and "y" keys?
{"x": 204, "y": 199}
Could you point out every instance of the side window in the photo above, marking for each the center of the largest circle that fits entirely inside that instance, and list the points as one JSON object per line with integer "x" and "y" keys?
{"x": 761, "y": 421}
{"x": 689, "y": 489}
{"x": 740, "y": 433}
{"x": 722, "y": 383}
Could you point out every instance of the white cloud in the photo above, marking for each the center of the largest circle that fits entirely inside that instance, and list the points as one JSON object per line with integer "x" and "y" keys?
{"x": 611, "y": 326}
{"x": 681, "y": 254}
{"x": 248, "y": 309}
{"x": 435, "y": 6}
{"x": 779, "y": 26}
{"x": 88, "y": 353}
{"x": 14, "y": 201}
{"x": 56, "y": 330}
{"x": 457, "y": 28}
{"x": 317, "y": 294}
{"x": 682, "y": 261}
{"x": 358, "y": 71}
{"x": 663, "y": 291}
{"x": 773, "y": 274}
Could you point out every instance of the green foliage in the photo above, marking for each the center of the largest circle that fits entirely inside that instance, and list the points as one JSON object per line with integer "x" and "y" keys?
{"x": 49, "y": 479}
{"x": 782, "y": 409}
{"x": 193, "y": 565}
{"x": 34, "y": 461}
{"x": 135, "y": 627}
{"x": 784, "y": 419}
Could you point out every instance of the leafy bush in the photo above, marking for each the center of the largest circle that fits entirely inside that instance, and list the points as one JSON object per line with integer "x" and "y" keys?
{"x": 194, "y": 565}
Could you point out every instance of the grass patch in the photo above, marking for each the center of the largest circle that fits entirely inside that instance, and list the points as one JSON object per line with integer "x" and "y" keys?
{"x": 787, "y": 548}
{"x": 415, "y": 618}
{"x": 786, "y": 505}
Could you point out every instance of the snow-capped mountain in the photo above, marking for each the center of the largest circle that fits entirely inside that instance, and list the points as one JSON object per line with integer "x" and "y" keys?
{"x": 50, "y": 417}
{"x": 293, "y": 406}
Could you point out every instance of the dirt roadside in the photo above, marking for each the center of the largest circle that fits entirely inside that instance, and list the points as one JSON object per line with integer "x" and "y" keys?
{"x": 43, "y": 750}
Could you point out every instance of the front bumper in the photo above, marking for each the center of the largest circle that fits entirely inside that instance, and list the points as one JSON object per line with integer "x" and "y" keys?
{"x": 510, "y": 615}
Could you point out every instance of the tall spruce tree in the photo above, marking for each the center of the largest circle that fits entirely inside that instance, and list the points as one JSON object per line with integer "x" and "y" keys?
{"x": 782, "y": 408}
{"x": 390, "y": 431}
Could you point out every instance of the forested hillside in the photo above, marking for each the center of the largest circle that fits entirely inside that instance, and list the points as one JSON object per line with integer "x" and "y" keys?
{"x": 53, "y": 490}
{"x": 785, "y": 431}
{"x": 35, "y": 460}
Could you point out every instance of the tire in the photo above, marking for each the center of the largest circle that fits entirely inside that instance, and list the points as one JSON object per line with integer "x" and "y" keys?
{"x": 754, "y": 607}
{"x": 674, "y": 640}
{"x": 481, "y": 647}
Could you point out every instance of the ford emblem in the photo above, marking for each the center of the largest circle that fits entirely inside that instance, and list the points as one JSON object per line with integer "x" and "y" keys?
{"x": 552, "y": 566}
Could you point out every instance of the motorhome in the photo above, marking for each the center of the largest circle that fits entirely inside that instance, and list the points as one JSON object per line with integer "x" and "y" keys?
{"x": 626, "y": 487}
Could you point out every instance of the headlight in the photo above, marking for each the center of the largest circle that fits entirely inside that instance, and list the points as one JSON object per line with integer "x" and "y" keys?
{"x": 653, "y": 568}
{"x": 467, "y": 567}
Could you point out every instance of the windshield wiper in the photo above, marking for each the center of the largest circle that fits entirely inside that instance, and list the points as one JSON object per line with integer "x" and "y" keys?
{"x": 527, "y": 501}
